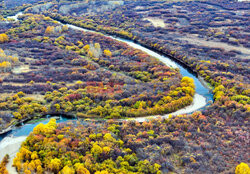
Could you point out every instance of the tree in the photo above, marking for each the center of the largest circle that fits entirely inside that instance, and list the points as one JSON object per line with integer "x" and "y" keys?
{"x": 43, "y": 129}
{"x": 187, "y": 81}
{"x": 55, "y": 165}
{"x": 21, "y": 94}
{"x": 3, "y": 164}
{"x": 17, "y": 115}
{"x": 108, "y": 137}
{"x": 57, "y": 106}
{"x": 5, "y": 66}
{"x": 115, "y": 115}
{"x": 107, "y": 53}
{"x": 39, "y": 169}
{"x": 106, "y": 149}
{"x": 27, "y": 171}
{"x": 242, "y": 168}
{"x": 96, "y": 150}
{"x": 4, "y": 38}
{"x": 32, "y": 166}
{"x": 34, "y": 155}
{"x": 80, "y": 169}
{"x": 50, "y": 29}
{"x": 86, "y": 48}
{"x": 146, "y": 167}
{"x": 67, "y": 170}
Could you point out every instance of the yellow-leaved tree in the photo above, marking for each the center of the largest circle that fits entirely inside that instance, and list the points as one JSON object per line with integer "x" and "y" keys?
{"x": 242, "y": 168}
{"x": 4, "y": 38}
{"x": 107, "y": 53}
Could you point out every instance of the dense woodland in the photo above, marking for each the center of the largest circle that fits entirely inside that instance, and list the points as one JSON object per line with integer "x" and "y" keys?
{"x": 80, "y": 149}
{"x": 83, "y": 74}
{"x": 184, "y": 21}
{"x": 48, "y": 68}
{"x": 184, "y": 144}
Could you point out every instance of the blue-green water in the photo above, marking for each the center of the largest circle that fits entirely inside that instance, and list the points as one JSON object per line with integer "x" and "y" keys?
{"x": 27, "y": 128}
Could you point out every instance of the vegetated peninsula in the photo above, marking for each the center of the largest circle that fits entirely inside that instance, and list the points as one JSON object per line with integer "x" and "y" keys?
{"x": 58, "y": 70}
{"x": 48, "y": 66}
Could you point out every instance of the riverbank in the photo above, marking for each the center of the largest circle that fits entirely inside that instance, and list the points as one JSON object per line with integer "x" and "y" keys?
{"x": 198, "y": 102}
{"x": 15, "y": 124}
{"x": 8, "y": 129}
{"x": 10, "y": 145}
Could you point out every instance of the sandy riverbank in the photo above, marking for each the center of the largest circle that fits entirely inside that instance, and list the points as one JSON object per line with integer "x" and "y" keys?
{"x": 10, "y": 145}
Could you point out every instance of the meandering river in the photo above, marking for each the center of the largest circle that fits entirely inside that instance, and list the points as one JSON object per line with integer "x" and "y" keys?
{"x": 202, "y": 98}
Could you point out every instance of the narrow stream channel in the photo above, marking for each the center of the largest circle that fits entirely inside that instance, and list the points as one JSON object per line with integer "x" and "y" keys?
{"x": 202, "y": 98}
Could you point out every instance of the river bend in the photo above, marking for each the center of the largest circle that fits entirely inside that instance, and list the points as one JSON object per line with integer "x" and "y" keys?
{"x": 202, "y": 98}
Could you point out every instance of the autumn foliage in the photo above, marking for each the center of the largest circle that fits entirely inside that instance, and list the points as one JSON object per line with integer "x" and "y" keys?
{"x": 242, "y": 168}
{"x": 76, "y": 77}
{"x": 89, "y": 75}
{"x": 4, "y": 38}
{"x": 7, "y": 61}
{"x": 94, "y": 151}
{"x": 3, "y": 164}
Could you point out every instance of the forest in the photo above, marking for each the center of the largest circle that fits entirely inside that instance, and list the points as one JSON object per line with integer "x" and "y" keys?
{"x": 49, "y": 68}
{"x": 57, "y": 70}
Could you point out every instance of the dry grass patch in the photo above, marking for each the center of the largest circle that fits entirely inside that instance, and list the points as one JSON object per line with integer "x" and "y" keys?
{"x": 157, "y": 22}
